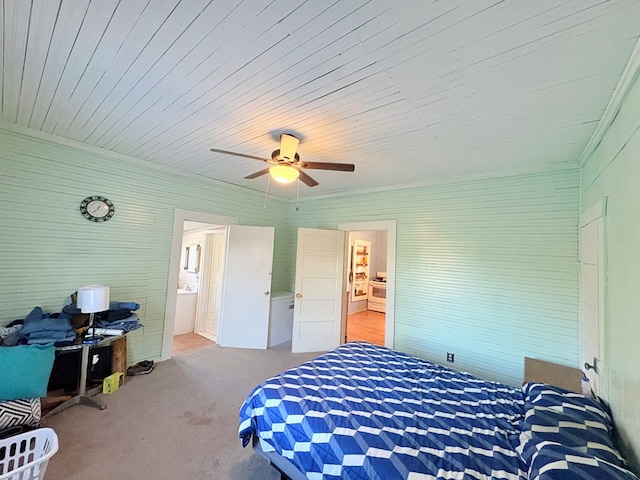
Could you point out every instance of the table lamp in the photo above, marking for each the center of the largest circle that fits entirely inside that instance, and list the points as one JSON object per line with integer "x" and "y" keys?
{"x": 91, "y": 299}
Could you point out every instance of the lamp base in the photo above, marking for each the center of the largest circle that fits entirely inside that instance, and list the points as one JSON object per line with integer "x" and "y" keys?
{"x": 81, "y": 398}
{"x": 77, "y": 400}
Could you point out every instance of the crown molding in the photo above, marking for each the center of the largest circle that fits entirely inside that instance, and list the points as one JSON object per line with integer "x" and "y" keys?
{"x": 625, "y": 83}
{"x": 108, "y": 154}
{"x": 515, "y": 172}
{"x": 521, "y": 171}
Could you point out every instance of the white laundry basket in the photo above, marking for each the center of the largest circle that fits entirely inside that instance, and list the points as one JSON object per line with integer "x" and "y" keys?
{"x": 25, "y": 456}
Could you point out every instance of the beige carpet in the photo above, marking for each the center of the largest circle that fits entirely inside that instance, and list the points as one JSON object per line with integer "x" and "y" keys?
{"x": 179, "y": 422}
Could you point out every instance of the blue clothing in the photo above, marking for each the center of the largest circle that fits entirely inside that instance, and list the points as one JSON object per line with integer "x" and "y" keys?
{"x": 42, "y": 328}
{"x": 72, "y": 309}
{"x": 127, "y": 324}
{"x": 37, "y": 321}
{"x": 42, "y": 338}
{"x": 124, "y": 306}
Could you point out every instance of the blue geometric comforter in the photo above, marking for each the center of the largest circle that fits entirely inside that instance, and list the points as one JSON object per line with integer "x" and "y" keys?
{"x": 366, "y": 412}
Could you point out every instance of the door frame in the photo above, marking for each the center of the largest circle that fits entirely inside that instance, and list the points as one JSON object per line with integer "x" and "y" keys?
{"x": 179, "y": 217}
{"x": 390, "y": 227}
{"x": 595, "y": 213}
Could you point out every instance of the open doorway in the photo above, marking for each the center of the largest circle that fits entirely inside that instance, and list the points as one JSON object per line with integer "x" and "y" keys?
{"x": 200, "y": 286}
{"x": 186, "y": 285}
{"x": 366, "y": 280}
{"x": 370, "y": 284}
{"x": 322, "y": 289}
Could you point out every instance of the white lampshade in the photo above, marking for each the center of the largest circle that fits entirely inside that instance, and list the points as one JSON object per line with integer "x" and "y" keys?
{"x": 93, "y": 298}
{"x": 284, "y": 173}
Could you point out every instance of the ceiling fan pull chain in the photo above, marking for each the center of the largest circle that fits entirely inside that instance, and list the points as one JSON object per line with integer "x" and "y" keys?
{"x": 266, "y": 193}
{"x": 297, "y": 193}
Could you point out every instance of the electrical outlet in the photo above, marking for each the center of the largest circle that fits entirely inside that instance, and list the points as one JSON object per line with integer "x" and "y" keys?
{"x": 450, "y": 357}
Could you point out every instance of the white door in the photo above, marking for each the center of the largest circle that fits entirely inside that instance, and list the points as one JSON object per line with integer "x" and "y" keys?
{"x": 216, "y": 274}
{"x": 317, "y": 317}
{"x": 244, "y": 321}
{"x": 591, "y": 303}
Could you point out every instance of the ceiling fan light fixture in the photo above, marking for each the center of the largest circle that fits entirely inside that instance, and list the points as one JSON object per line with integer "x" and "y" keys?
{"x": 284, "y": 173}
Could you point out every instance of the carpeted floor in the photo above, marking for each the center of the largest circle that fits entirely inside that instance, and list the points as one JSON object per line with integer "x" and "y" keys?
{"x": 177, "y": 423}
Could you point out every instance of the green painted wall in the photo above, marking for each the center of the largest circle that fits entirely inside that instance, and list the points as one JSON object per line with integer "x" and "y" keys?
{"x": 486, "y": 269}
{"x": 613, "y": 171}
{"x": 48, "y": 249}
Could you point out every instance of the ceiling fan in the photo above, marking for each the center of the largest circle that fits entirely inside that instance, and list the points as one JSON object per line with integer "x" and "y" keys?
{"x": 286, "y": 163}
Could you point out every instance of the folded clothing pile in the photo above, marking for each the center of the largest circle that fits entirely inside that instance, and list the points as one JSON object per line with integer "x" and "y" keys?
{"x": 44, "y": 328}
{"x": 120, "y": 316}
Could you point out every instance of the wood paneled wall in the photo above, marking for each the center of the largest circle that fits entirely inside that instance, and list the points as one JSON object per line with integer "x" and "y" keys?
{"x": 48, "y": 249}
{"x": 486, "y": 269}
{"x": 613, "y": 171}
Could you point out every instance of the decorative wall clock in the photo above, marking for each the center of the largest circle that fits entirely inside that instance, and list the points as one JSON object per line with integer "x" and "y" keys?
{"x": 97, "y": 209}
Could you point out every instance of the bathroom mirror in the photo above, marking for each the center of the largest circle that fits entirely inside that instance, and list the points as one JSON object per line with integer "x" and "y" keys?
{"x": 192, "y": 258}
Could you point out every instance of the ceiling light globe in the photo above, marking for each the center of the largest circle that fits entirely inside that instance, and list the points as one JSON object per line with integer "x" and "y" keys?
{"x": 284, "y": 173}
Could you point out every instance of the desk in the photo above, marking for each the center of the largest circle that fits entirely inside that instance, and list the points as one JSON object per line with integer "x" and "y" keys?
{"x": 83, "y": 396}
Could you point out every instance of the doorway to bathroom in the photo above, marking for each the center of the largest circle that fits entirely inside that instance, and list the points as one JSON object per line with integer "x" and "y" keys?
{"x": 242, "y": 317}
{"x": 186, "y": 325}
{"x": 200, "y": 286}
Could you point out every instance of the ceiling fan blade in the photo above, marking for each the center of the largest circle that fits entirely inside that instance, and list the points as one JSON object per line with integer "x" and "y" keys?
{"x": 342, "y": 167}
{"x": 257, "y": 174}
{"x": 240, "y": 155}
{"x": 307, "y": 180}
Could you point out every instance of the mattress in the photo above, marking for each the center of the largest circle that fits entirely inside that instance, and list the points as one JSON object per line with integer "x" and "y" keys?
{"x": 366, "y": 412}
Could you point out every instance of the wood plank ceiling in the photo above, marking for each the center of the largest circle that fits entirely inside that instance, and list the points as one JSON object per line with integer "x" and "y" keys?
{"x": 409, "y": 91}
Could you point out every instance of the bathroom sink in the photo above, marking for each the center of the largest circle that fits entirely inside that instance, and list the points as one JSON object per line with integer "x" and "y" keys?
{"x": 182, "y": 291}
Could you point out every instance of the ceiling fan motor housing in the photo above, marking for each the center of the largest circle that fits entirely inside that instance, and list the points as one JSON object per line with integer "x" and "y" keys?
{"x": 275, "y": 156}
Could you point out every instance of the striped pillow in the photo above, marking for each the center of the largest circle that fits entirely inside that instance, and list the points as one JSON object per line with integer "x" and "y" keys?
{"x": 17, "y": 413}
{"x": 552, "y": 461}
{"x": 584, "y": 424}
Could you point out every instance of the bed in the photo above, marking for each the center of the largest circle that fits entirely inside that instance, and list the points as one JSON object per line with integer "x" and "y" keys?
{"x": 367, "y": 412}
